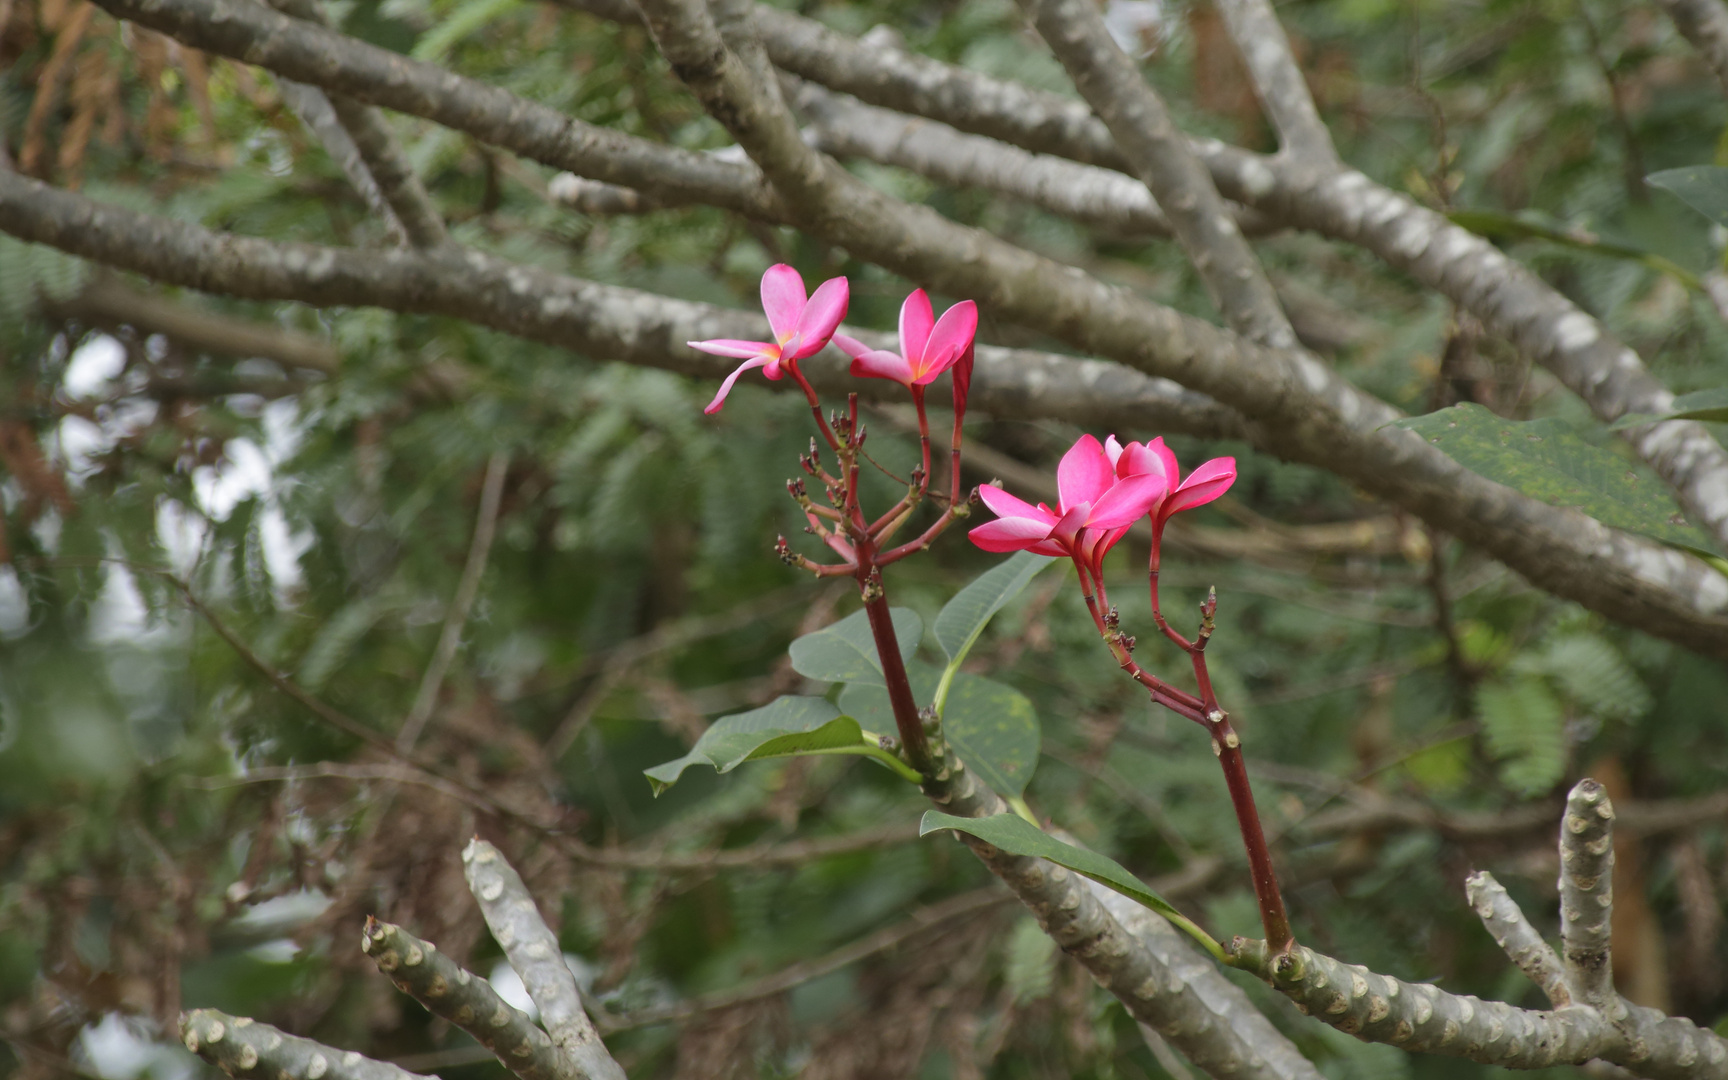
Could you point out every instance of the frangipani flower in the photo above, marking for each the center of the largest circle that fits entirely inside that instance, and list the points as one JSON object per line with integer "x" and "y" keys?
{"x": 1095, "y": 505}
{"x": 1203, "y": 485}
{"x": 801, "y": 327}
{"x": 928, "y": 346}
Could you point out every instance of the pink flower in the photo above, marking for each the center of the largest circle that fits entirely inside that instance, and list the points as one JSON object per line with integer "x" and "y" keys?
{"x": 1101, "y": 494}
{"x": 801, "y": 328}
{"x": 1203, "y": 485}
{"x": 928, "y": 346}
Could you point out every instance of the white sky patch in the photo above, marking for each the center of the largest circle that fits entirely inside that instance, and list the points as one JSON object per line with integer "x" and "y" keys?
{"x": 120, "y": 1048}
{"x": 94, "y": 367}
{"x": 119, "y": 614}
{"x": 14, "y": 605}
{"x": 181, "y": 533}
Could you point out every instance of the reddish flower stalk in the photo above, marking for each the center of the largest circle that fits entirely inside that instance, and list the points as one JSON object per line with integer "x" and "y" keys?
{"x": 929, "y": 346}
{"x": 1103, "y": 489}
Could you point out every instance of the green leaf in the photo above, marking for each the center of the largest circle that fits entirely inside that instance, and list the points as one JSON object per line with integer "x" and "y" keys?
{"x": 994, "y": 729}
{"x": 1702, "y": 187}
{"x": 964, "y": 617}
{"x": 1017, "y": 836}
{"x": 1534, "y": 225}
{"x": 1711, "y": 405}
{"x": 1525, "y": 729}
{"x": 786, "y": 727}
{"x": 1546, "y": 460}
{"x": 1591, "y": 673}
{"x": 846, "y": 651}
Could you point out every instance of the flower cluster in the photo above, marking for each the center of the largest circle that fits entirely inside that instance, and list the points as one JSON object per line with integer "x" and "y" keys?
{"x": 1102, "y": 490}
{"x": 801, "y": 327}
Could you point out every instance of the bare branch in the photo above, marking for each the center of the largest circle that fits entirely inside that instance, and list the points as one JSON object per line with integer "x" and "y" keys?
{"x": 1344, "y": 205}
{"x": 105, "y": 302}
{"x": 1519, "y": 940}
{"x": 1101, "y": 198}
{"x": 1705, "y": 24}
{"x": 385, "y": 162}
{"x": 533, "y": 950}
{"x": 1587, "y": 896}
{"x": 467, "y": 589}
{"x": 449, "y": 990}
{"x": 1160, "y": 156}
{"x": 300, "y": 50}
{"x": 1306, "y": 412}
{"x": 241, "y": 1046}
{"x": 1278, "y": 82}
{"x": 1158, "y": 981}
{"x": 315, "y": 111}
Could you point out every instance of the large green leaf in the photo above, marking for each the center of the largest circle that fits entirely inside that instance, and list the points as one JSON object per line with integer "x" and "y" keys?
{"x": 1702, "y": 187}
{"x": 994, "y": 729}
{"x": 1546, "y": 460}
{"x": 1017, "y": 836}
{"x": 1711, "y": 405}
{"x": 846, "y": 651}
{"x": 964, "y": 617}
{"x": 786, "y": 727}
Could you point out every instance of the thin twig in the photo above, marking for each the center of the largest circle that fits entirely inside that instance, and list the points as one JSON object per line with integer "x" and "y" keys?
{"x": 450, "y": 638}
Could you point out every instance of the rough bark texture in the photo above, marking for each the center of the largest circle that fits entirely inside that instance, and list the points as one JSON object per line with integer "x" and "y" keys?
{"x": 1278, "y": 82}
{"x": 1508, "y": 299}
{"x": 241, "y": 1046}
{"x": 1519, "y": 940}
{"x": 533, "y": 950}
{"x": 1132, "y": 953}
{"x": 451, "y": 991}
{"x": 1587, "y": 896}
{"x": 1159, "y": 155}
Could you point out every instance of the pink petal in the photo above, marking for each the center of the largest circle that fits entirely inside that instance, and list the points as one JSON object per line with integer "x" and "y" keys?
{"x": 1072, "y": 524}
{"x": 1139, "y": 459}
{"x": 1127, "y": 502}
{"x": 851, "y": 346}
{"x": 1009, "y": 534}
{"x": 821, "y": 315}
{"x": 1113, "y": 450}
{"x": 1048, "y": 547}
{"x": 916, "y": 318}
{"x": 1004, "y": 505}
{"x": 962, "y": 381}
{"x": 1172, "y": 471}
{"x": 782, "y": 299}
{"x": 726, "y": 387}
{"x": 741, "y": 350}
{"x": 1207, "y": 483}
{"x": 1084, "y": 473}
{"x": 882, "y": 364}
{"x": 954, "y": 331}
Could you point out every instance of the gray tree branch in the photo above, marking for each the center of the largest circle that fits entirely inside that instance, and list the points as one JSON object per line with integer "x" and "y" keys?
{"x": 1338, "y": 203}
{"x": 241, "y": 1046}
{"x": 385, "y": 162}
{"x": 533, "y": 950}
{"x": 1278, "y": 82}
{"x": 315, "y": 111}
{"x": 449, "y": 990}
{"x": 1587, "y": 897}
{"x": 1307, "y": 412}
{"x": 1519, "y": 940}
{"x": 1133, "y": 954}
{"x": 1590, "y": 1020}
{"x": 1159, "y": 155}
